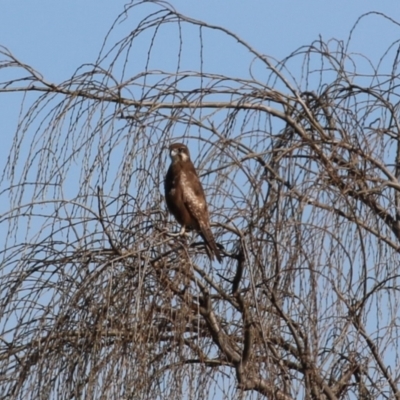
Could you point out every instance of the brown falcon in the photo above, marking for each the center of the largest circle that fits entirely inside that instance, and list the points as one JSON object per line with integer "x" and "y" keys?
{"x": 185, "y": 197}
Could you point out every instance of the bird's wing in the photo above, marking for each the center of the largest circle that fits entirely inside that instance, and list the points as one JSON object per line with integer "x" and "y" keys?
{"x": 193, "y": 196}
{"x": 195, "y": 201}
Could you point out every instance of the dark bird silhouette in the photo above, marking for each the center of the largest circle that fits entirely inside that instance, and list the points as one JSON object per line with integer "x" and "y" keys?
{"x": 185, "y": 198}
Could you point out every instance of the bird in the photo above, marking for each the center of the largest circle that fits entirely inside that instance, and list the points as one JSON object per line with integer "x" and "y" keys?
{"x": 185, "y": 198}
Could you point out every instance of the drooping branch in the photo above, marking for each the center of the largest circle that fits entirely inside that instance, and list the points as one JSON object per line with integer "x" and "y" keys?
{"x": 301, "y": 175}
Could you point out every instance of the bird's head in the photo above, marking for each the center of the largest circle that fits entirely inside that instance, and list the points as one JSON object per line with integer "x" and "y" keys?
{"x": 179, "y": 152}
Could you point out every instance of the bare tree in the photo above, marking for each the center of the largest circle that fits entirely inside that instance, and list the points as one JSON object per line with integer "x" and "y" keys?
{"x": 300, "y": 160}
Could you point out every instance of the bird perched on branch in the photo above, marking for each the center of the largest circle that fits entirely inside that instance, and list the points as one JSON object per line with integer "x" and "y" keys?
{"x": 185, "y": 198}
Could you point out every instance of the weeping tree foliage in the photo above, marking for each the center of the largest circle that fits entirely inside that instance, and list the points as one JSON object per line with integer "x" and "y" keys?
{"x": 300, "y": 161}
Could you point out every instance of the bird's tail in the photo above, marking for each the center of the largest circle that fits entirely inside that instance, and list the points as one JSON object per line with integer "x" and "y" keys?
{"x": 211, "y": 247}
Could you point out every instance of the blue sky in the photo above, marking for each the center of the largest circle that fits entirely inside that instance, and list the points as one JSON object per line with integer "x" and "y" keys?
{"x": 56, "y": 37}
